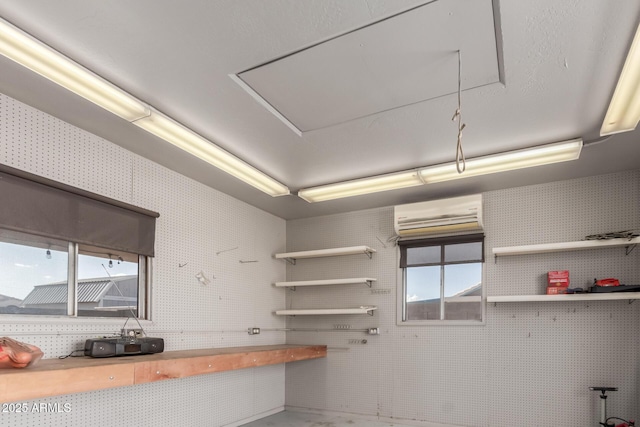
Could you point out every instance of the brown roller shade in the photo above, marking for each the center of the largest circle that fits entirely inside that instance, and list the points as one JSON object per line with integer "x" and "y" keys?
{"x": 36, "y": 205}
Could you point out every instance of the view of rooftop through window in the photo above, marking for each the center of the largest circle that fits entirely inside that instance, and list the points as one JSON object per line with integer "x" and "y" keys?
{"x": 442, "y": 278}
{"x": 34, "y": 278}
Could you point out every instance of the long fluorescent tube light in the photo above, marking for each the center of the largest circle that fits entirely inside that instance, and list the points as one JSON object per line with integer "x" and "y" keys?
{"x": 519, "y": 159}
{"x": 511, "y": 160}
{"x": 624, "y": 110}
{"x": 40, "y": 58}
{"x": 187, "y": 140}
{"x": 358, "y": 187}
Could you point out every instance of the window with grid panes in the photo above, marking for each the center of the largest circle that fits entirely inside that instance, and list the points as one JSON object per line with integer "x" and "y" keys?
{"x": 442, "y": 279}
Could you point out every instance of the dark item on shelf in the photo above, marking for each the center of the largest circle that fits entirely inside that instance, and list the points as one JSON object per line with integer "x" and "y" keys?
{"x": 620, "y": 288}
{"x": 627, "y": 234}
{"x": 575, "y": 290}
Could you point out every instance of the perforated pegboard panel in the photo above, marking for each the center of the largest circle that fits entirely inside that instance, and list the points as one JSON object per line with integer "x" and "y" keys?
{"x": 530, "y": 365}
{"x": 560, "y": 349}
{"x": 199, "y": 230}
{"x": 207, "y": 400}
{"x": 561, "y": 212}
{"x": 392, "y": 375}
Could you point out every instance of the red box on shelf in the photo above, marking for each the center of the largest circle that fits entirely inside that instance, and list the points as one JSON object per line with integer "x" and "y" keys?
{"x": 556, "y": 290}
{"x": 558, "y": 278}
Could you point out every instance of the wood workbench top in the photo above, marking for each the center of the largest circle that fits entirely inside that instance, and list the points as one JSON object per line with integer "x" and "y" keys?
{"x": 52, "y": 377}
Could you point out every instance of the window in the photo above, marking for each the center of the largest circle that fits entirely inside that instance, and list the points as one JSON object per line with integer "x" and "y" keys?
{"x": 65, "y": 251}
{"x": 442, "y": 279}
{"x": 37, "y": 278}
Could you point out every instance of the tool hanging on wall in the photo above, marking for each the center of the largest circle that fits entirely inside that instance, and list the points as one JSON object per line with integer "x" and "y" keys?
{"x": 202, "y": 278}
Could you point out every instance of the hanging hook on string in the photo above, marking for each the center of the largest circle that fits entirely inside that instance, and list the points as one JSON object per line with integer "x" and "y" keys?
{"x": 461, "y": 163}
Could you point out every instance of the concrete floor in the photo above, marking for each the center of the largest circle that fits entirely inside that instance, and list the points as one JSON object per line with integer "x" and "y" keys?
{"x": 300, "y": 419}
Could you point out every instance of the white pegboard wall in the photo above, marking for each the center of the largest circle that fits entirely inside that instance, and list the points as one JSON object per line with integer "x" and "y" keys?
{"x": 543, "y": 351}
{"x": 195, "y": 223}
{"x": 530, "y": 365}
{"x": 234, "y": 395}
{"x": 390, "y": 376}
{"x": 559, "y": 212}
{"x": 562, "y": 211}
{"x": 38, "y": 143}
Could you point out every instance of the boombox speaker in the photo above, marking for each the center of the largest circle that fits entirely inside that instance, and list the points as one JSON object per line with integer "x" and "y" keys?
{"x": 110, "y": 347}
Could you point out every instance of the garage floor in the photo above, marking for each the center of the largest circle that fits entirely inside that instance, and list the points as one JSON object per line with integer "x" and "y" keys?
{"x": 300, "y": 419}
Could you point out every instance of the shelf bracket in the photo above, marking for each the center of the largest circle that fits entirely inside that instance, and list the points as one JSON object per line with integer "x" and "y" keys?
{"x": 495, "y": 258}
{"x": 370, "y": 312}
{"x": 631, "y": 301}
{"x": 291, "y": 261}
{"x": 629, "y": 249}
{"x": 292, "y": 288}
{"x": 369, "y": 283}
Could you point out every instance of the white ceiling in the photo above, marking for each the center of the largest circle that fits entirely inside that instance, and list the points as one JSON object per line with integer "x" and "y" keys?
{"x": 366, "y": 71}
{"x": 558, "y": 62}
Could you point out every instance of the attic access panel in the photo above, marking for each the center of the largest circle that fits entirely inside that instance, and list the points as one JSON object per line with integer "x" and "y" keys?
{"x": 401, "y": 60}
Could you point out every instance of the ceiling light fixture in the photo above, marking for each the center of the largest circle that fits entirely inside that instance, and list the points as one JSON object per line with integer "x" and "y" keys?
{"x": 187, "y": 140}
{"x": 40, "y": 58}
{"x": 624, "y": 110}
{"x": 511, "y": 160}
{"x": 362, "y": 186}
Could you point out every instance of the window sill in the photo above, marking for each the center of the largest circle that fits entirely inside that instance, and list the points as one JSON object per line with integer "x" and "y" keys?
{"x": 442, "y": 323}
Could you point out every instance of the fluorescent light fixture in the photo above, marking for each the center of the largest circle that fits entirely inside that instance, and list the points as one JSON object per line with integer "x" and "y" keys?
{"x": 624, "y": 110}
{"x": 40, "y": 58}
{"x": 358, "y": 187}
{"x": 187, "y": 140}
{"x": 519, "y": 159}
{"x": 511, "y": 160}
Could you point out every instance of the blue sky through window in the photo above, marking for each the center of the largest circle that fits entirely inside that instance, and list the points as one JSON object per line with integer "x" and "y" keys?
{"x": 423, "y": 283}
{"x": 23, "y": 267}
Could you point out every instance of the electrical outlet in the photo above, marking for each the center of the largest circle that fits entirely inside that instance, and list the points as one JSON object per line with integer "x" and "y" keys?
{"x": 356, "y": 341}
{"x": 254, "y": 331}
{"x": 383, "y": 291}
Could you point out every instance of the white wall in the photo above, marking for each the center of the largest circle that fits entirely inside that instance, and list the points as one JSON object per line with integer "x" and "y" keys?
{"x": 530, "y": 365}
{"x": 195, "y": 223}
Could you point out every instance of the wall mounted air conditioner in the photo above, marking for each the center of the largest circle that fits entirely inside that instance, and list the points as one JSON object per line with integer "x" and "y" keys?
{"x": 458, "y": 214}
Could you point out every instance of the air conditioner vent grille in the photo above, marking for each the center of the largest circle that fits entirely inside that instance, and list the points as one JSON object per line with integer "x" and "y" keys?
{"x": 439, "y": 216}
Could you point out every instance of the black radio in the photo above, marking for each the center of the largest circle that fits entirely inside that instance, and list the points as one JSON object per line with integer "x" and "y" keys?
{"x": 122, "y": 346}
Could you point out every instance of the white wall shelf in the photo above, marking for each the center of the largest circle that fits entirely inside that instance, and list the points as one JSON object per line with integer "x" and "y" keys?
{"x": 608, "y": 296}
{"x": 564, "y": 246}
{"x": 291, "y": 257}
{"x": 320, "y": 253}
{"x": 351, "y": 281}
{"x": 365, "y": 309}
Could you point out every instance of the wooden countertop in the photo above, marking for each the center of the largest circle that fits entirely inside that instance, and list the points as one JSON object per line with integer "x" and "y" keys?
{"x": 52, "y": 377}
